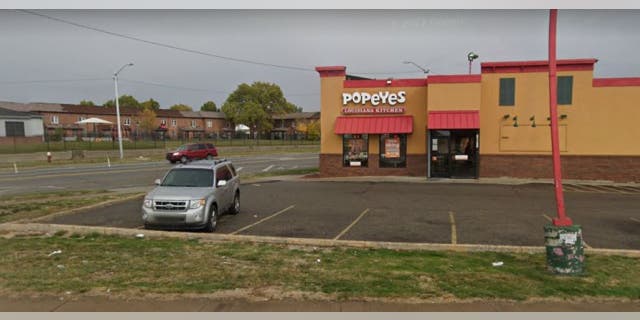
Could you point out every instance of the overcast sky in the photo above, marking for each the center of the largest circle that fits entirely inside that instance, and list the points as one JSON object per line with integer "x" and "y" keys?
{"x": 370, "y": 43}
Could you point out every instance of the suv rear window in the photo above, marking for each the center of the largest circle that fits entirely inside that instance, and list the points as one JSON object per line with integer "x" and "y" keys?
{"x": 223, "y": 173}
{"x": 209, "y": 146}
{"x": 232, "y": 169}
{"x": 198, "y": 178}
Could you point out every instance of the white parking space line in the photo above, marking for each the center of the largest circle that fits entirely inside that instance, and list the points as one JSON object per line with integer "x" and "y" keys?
{"x": 264, "y": 219}
{"x": 634, "y": 219}
{"x": 547, "y": 217}
{"x": 454, "y": 233}
{"x": 239, "y": 169}
{"x": 268, "y": 168}
{"x": 352, "y": 224}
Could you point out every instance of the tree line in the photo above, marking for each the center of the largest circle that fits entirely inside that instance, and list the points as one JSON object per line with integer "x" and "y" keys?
{"x": 253, "y": 105}
{"x": 128, "y": 101}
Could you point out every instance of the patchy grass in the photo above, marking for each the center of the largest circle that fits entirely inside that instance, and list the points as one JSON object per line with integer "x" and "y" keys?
{"x": 134, "y": 266}
{"x": 35, "y": 205}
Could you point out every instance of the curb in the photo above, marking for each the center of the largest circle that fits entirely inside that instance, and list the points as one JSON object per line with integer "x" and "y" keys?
{"x": 402, "y": 246}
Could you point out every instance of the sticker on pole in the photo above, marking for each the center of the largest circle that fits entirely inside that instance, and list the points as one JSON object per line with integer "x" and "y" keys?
{"x": 568, "y": 238}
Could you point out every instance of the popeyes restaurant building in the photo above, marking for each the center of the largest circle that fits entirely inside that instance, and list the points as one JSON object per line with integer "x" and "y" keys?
{"x": 493, "y": 124}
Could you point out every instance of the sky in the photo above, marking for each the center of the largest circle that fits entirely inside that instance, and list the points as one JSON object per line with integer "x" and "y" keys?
{"x": 44, "y": 60}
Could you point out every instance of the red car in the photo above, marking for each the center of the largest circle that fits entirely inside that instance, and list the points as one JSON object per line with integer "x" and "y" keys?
{"x": 193, "y": 151}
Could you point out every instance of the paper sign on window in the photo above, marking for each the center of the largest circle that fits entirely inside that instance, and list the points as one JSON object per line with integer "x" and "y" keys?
{"x": 392, "y": 148}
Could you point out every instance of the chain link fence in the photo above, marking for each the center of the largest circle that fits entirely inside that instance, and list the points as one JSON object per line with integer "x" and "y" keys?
{"x": 155, "y": 141}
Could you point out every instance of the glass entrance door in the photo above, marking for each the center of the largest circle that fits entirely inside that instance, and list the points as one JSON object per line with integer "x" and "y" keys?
{"x": 439, "y": 146}
{"x": 454, "y": 153}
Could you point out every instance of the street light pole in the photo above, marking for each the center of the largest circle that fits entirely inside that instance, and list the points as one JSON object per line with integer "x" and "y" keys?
{"x": 418, "y": 66}
{"x": 115, "y": 81}
{"x": 471, "y": 56}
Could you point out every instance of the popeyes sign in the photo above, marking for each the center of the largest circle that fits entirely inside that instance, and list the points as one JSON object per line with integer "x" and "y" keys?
{"x": 380, "y": 102}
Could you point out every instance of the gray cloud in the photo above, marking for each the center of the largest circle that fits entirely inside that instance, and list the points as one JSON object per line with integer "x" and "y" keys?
{"x": 365, "y": 41}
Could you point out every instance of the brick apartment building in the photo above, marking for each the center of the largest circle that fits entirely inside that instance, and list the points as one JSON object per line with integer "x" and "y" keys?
{"x": 288, "y": 125}
{"x": 60, "y": 119}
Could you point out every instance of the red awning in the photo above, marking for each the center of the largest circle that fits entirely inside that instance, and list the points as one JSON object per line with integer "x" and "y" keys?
{"x": 374, "y": 125}
{"x": 454, "y": 120}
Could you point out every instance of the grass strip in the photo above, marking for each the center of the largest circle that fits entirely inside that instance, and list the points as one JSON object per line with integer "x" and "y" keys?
{"x": 130, "y": 266}
{"x": 275, "y": 173}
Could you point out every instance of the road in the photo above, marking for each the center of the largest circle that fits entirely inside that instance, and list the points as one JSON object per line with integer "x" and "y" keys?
{"x": 122, "y": 176}
{"x": 408, "y": 212}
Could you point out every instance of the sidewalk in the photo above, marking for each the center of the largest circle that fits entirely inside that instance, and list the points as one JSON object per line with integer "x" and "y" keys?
{"x": 502, "y": 180}
{"x": 182, "y": 304}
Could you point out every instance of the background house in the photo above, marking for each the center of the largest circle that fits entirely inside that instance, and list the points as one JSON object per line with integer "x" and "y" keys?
{"x": 20, "y": 127}
{"x": 293, "y": 125}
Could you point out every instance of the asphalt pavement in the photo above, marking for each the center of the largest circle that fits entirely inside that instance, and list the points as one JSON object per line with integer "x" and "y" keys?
{"x": 132, "y": 175}
{"x": 452, "y": 213}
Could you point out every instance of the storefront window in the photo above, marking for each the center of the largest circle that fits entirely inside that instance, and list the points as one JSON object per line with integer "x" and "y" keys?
{"x": 355, "y": 149}
{"x": 393, "y": 150}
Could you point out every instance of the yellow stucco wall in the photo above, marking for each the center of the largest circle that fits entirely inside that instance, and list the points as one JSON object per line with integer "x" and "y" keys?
{"x": 331, "y": 105}
{"x": 454, "y": 96}
{"x": 600, "y": 120}
{"x": 499, "y": 136}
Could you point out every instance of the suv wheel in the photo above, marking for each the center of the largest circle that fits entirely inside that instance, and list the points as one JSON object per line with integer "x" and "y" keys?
{"x": 184, "y": 159}
{"x": 209, "y": 157}
{"x": 235, "y": 208}
{"x": 212, "y": 222}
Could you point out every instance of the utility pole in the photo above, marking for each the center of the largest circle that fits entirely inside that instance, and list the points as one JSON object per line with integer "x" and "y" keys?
{"x": 115, "y": 81}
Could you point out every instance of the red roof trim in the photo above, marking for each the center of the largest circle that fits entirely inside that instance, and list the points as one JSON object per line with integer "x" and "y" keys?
{"x": 373, "y": 125}
{"x": 537, "y": 66}
{"x": 332, "y": 71}
{"x": 395, "y": 83}
{"x": 616, "y": 82}
{"x": 455, "y": 119}
{"x": 457, "y": 78}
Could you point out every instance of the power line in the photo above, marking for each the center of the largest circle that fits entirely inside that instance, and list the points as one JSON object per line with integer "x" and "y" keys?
{"x": 375, "y": 73}
{"x": 160, "y": 44}
{"x": 53, "y": 81}
{"x": 170, "y": 86}
{"x": 155, "y": 84}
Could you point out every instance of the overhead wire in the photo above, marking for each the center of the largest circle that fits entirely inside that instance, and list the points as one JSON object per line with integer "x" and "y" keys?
{"x": 160, "y": 44}
{"x": 156, "y": 43}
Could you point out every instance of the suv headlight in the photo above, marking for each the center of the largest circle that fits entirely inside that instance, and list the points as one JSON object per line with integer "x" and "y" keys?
{"x": 176, "y": 153}
{"x": 195, "y": 204}
{"x": 148, "y": 203}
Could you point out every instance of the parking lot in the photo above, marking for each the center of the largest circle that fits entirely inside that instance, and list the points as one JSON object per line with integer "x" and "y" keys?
{"x": 410, "y": 212}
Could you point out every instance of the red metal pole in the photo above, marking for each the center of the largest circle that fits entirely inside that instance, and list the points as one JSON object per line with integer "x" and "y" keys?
{"x": 562, "y": 219}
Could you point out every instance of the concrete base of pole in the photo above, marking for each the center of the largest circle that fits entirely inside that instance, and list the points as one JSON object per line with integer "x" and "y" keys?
{"x": 565, "y": 249}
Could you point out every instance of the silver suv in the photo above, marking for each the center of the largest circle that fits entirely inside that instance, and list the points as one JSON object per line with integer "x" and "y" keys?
{"x": 192, "y": 196}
